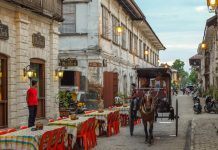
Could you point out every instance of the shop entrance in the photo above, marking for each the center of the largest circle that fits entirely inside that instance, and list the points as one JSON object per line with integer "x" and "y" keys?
{"x": 39, "y": 66}
{"x": 3, "y": 92}
{"x": 110, "y": 90}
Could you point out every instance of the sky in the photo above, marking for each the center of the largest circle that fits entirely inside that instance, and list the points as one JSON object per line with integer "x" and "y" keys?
{"x": 179, "y": 24}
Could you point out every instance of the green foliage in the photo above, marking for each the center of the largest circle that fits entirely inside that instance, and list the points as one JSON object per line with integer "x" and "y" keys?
{"x": 193, "y": 77}
{"x": 64, "y": 98}
{"x": 179, "y": 66}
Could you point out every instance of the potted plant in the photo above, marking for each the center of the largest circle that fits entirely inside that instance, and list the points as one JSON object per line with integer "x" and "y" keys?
{"x": 64, "y": 99}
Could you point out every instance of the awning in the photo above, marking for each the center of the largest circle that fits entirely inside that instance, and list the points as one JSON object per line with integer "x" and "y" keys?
{"x": 196, "y": 56}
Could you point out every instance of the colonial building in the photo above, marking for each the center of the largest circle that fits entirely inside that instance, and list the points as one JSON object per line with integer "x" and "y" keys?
{"x": 28, "y": 46}
{"x": 102, "y": 41}
{"x": 206, "y": 60}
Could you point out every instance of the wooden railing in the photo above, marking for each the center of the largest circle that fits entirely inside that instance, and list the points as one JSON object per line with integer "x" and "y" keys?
{"x": 50, "y": 8}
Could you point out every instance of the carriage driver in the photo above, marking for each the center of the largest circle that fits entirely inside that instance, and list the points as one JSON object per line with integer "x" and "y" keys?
{"x": 134, "y": 107}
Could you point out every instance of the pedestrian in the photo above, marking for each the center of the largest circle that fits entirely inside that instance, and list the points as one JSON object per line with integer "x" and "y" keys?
{"x": 134, "y": 107}
{"x": 32, "y": 102}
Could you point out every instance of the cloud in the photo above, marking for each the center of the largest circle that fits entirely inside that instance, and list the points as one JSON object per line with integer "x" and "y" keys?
{"x": 201, "y": 9}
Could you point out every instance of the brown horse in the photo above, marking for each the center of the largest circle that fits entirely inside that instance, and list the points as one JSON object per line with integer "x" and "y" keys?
{"x": 147, "y": 110}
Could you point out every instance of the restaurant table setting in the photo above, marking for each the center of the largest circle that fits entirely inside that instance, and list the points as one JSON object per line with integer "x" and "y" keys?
{"x": 102, "y": 117}
{"x": 26, "y": 139}
{"x": 72, "y": 127}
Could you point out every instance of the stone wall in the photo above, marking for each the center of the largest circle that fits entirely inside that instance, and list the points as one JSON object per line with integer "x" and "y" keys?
{"x": 19, "y": 49}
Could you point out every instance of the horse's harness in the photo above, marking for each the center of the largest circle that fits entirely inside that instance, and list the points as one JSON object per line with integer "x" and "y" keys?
{"x": 148, "y": 103}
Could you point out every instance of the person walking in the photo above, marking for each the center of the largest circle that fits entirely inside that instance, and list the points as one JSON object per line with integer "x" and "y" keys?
{"x": 134, "y": 107}
{"x": 32, "y": 102}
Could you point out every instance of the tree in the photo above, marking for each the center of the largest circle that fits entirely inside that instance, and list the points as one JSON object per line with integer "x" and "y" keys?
{"x": 193, "y": 77}
{"x": 179, "y": 66}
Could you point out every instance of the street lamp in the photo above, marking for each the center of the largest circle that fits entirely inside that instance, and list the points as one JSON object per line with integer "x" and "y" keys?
{"x": 212, "y": 5}
{"x": 29, "y": 72}
{"x": 119, "y": 29}
{"x": 203, "y": 46}
{"x": 59, "y": 73}
{"x": 146, "y": 52}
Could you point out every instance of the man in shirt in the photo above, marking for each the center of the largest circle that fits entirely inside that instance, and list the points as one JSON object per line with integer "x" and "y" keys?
{"x": 32, "y": 102}
{"x": 134, "y": 107}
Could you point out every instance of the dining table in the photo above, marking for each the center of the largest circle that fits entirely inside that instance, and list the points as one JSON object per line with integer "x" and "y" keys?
{"x": 72, "y": 127}
{"x": 122, "y": 109}
{"x": 102, "y": 118}
{"x": 25, "y": 139}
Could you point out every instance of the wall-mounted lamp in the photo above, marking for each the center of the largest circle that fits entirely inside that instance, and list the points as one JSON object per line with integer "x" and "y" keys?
{"x": 29, "y": 72}
{"x": 0, "y": 74}
{"x": 146, "y": 52}
{"x": 59, "y": 73}
{"x": 119, "y": 29}
{"x": 212, "y": 5}
{"x": 203, "y": 46}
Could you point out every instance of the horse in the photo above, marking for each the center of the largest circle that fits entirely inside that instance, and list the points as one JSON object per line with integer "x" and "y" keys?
{"x": 148, "y": 112}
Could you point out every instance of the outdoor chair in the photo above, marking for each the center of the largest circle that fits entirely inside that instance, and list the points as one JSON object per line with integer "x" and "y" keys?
{"x": 60, "y": 142}
{"x": 82, "y": 136}
{"x": 51, "y": 120}
{"x": 11, "y": 130}
{"x": 110, "y": 124}
{"x": 45, "y": 141}
{"x": 3, "y": 132}
{"x": 23, "y": 127}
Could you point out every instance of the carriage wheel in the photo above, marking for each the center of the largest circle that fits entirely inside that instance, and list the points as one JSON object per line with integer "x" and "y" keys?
{"x": 177, "y": 117}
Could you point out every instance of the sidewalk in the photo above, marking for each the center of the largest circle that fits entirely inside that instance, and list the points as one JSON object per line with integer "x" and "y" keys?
{"x": 204, "y": 133}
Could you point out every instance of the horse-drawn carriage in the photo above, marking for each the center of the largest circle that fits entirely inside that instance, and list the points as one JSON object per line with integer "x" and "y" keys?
{"x": 154, "y": 90}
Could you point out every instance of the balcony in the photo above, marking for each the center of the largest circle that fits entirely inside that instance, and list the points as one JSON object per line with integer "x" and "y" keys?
{"x": 49, "y": 8}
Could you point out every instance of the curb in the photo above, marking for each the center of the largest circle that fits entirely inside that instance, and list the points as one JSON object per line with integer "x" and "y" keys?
{"x": 193, "y": 124}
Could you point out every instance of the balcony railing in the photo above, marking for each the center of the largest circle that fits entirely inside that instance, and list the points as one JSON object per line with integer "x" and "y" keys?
{"x": 49, "y": 8}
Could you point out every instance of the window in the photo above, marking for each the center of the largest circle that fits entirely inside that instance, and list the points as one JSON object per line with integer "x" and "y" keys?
{"x": 115, "y": 23}
{"x": 69, "y": 24}
{"x": 136, "y": 45}
{"x": 130, "y": 41}
{"x": 124, "y": 37}
{"x": 140, "y": 49}
{"x": 68, "y": 78}
{"x": 105, "y": 22}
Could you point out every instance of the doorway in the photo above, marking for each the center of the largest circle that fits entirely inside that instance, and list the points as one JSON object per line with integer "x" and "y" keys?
{"x": 110, "y": 90}
{"x": 3, "y": 91}
{"x": 39, "y": 66}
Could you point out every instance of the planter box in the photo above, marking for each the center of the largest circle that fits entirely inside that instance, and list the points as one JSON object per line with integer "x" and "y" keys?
{"x": 64, "y": 112}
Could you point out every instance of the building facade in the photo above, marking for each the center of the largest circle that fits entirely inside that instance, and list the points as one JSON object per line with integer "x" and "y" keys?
{"x": 28, "y": 39}
{"x": 206, "y": 59}
{"x": 107, "y": 39}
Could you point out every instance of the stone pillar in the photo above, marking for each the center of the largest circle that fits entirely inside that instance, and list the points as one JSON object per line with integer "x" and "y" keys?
{"x": 52, "y": 104}
{"x": 19, "y": 114}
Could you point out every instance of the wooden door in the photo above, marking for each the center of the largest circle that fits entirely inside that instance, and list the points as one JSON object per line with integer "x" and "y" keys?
{"x": 77, "y": 76}
{"x": 3, "y": 92}
{"x": 39, "y": 67}
{"x": 110, "y": 89}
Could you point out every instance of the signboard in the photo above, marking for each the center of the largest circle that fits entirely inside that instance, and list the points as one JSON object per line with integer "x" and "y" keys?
{"x": 4, "y": 34}
{"x": 68, "y": 62}
{"x": 95, "y": 64}
{"x": 38, "y": 40}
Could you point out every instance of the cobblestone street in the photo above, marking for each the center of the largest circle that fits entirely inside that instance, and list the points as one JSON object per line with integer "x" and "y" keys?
{"x": 163, "y": 133}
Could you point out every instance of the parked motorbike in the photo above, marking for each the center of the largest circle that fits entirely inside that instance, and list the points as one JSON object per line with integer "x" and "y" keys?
{"x": 210, "y": 105}
{"x": 197, "y": 105}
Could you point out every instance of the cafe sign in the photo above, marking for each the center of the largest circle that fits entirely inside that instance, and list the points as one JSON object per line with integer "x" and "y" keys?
{"x": 95, "y": 64}
{"x": 67, "y": 62}
{"x": 38, "y": 40}
{"x": 4, "y": 34}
